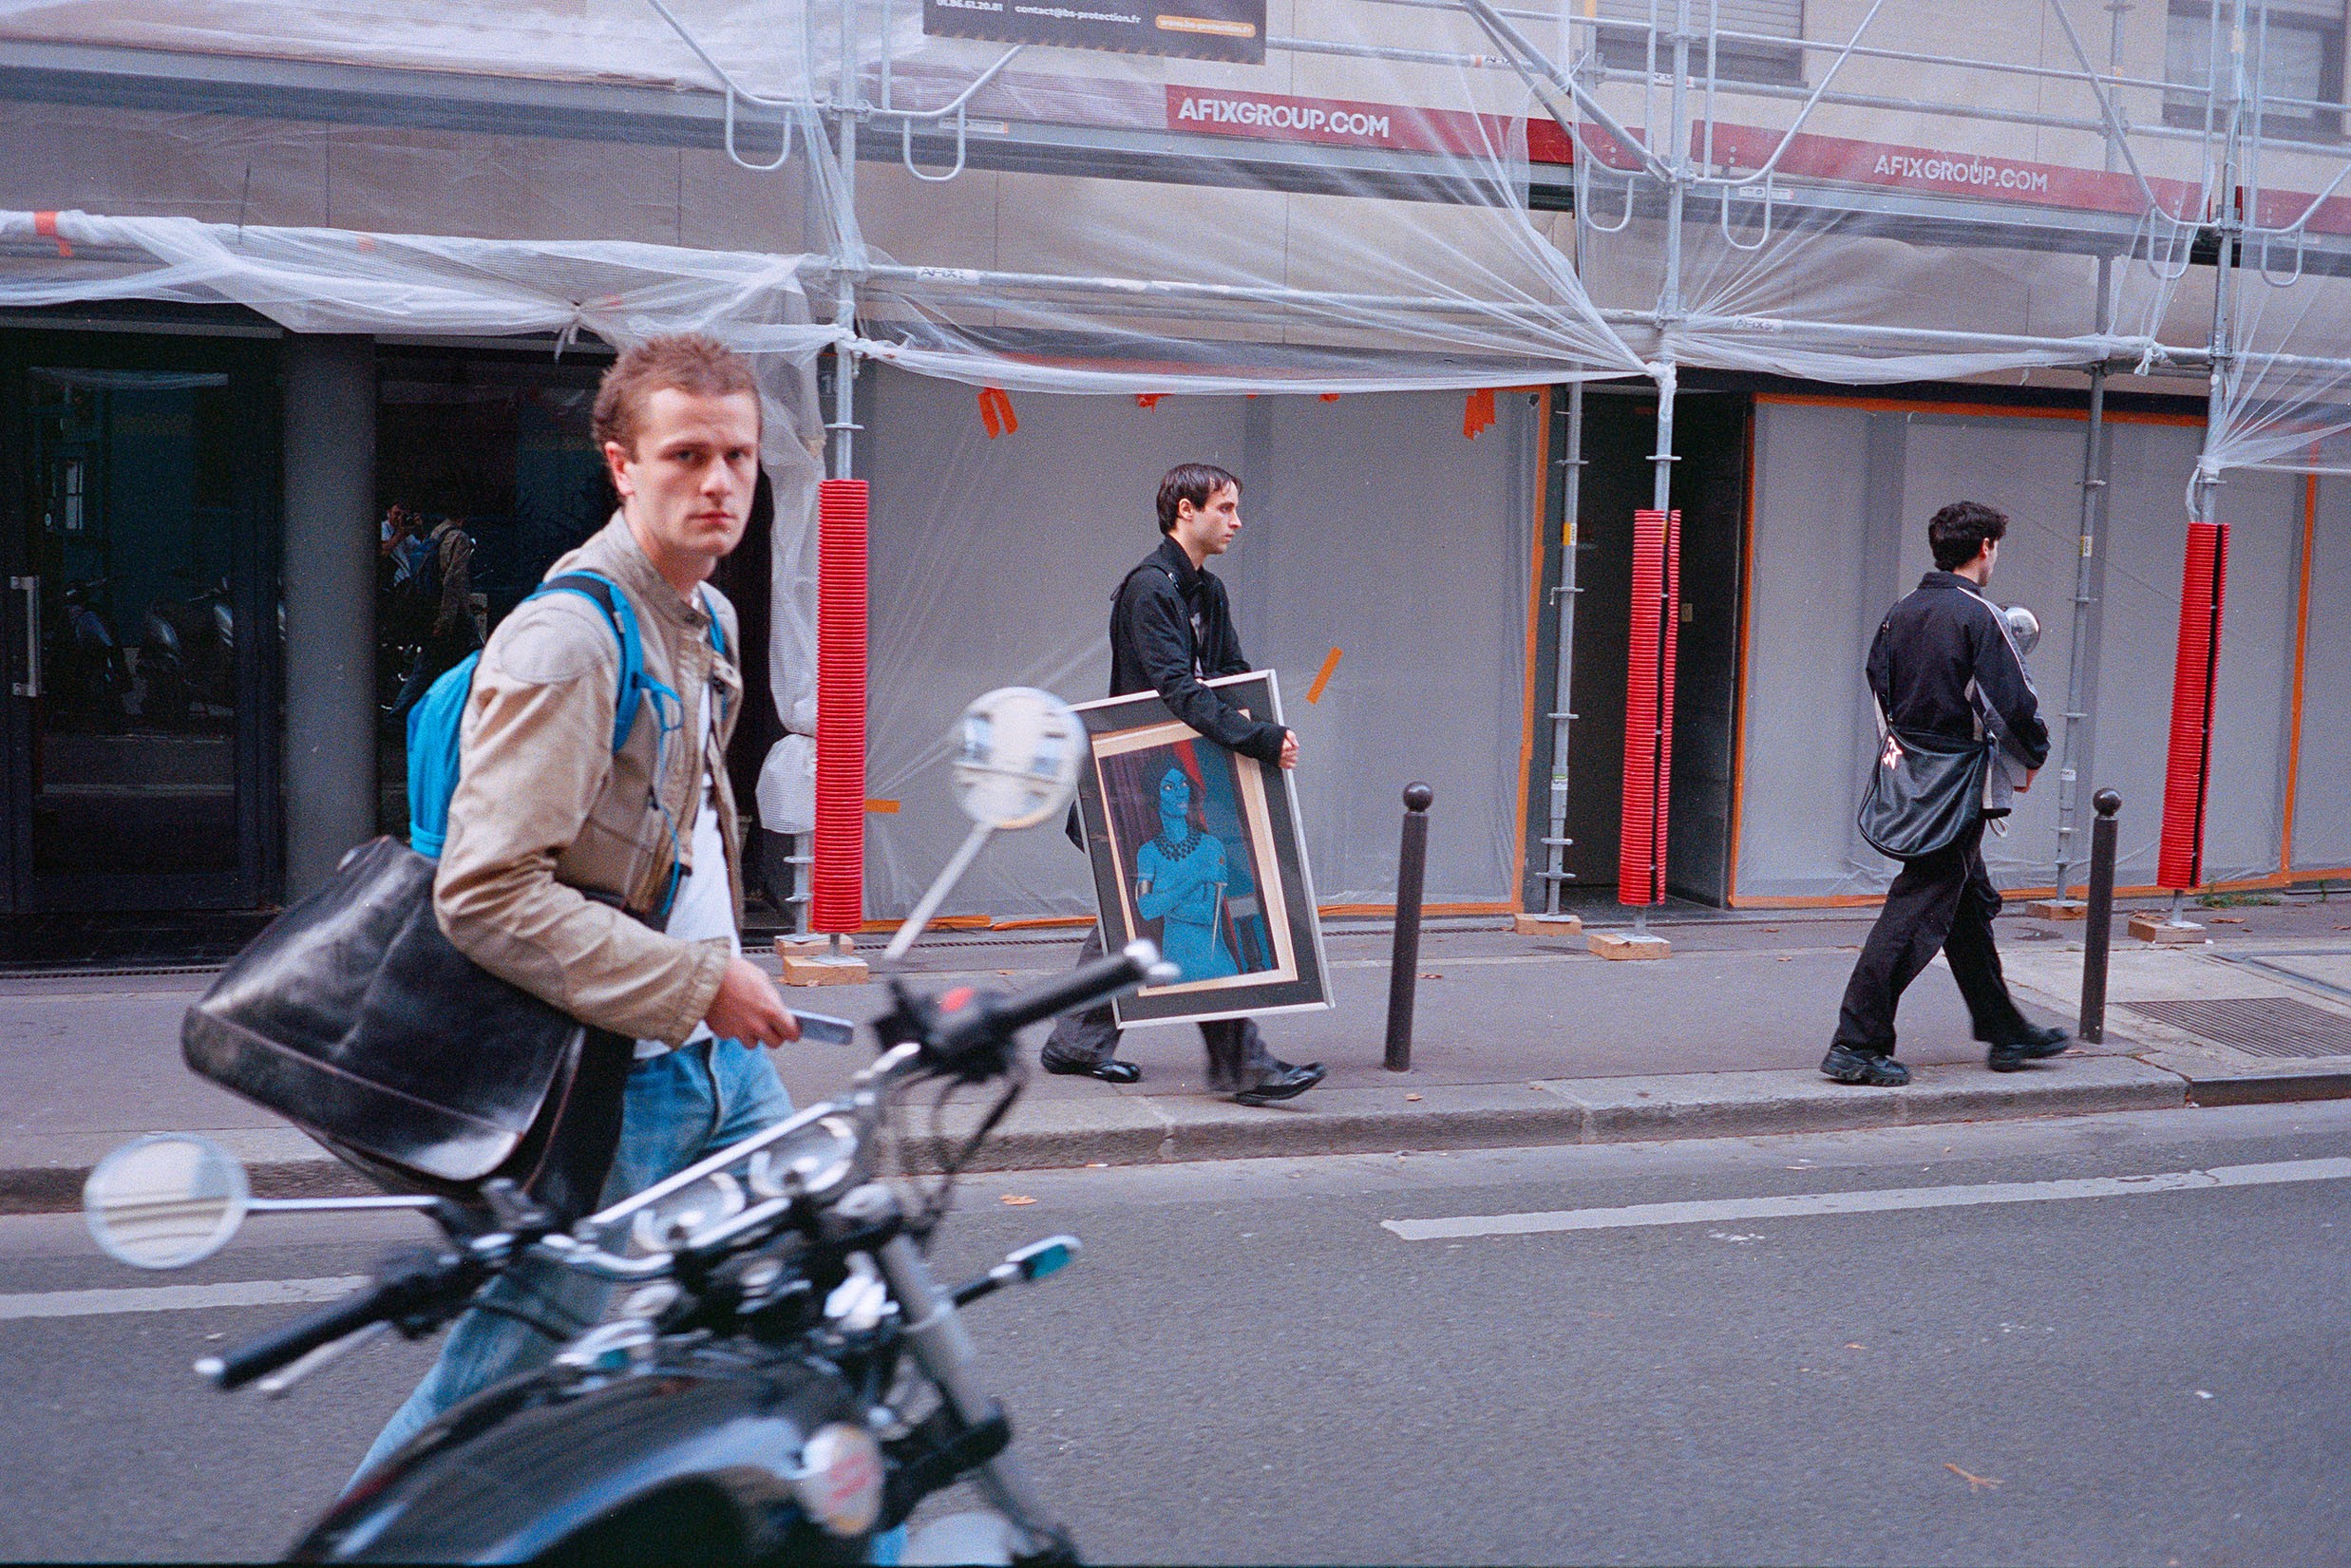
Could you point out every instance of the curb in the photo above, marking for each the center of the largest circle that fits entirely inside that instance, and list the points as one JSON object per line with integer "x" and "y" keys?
{"x": 1124, "y": 1128}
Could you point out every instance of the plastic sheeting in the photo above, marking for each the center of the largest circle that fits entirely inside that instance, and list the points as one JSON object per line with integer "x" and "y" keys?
{"x": 994, "y": 563}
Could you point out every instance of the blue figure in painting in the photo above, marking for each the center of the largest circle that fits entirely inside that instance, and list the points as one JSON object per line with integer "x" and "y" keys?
{"x": 1180, "y": 881}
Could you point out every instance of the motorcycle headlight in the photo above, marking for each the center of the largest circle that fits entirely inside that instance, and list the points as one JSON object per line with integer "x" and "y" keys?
{"x": 839, "y": 1481}
{"x": 814, "y": 1160}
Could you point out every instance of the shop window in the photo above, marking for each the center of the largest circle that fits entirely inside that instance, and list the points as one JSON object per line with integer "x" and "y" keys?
{"x": 2295, "y": 61}
{"x": 1748, "y": 58}
{"x": 486, "y": 473}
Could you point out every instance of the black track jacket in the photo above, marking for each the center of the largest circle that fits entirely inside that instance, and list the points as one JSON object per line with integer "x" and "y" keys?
{"x": 1938, "y": 641}
{"x": 1171, "y": 626}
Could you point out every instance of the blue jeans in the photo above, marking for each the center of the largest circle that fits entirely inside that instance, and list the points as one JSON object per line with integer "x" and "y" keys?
{"x": 679, "y": 1108}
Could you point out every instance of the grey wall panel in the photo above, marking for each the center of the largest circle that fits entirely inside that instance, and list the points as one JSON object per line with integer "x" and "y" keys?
{"x": 1813, "y": 602}
{"x": 1369, "y": 525}
{"x": 2322, "y": 799}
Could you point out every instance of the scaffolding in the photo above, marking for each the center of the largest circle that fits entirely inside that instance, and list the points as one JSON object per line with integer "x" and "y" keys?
{"x": 1468, "y": 195}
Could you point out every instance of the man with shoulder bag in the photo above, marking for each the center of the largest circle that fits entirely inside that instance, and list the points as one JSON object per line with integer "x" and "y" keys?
{"x": 1951, "y": 690}
{"x": 602, "y": 876}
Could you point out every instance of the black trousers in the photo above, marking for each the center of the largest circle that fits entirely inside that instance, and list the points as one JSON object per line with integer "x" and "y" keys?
{"x": 1944, "y": 902}
{"x": 1237, "y": 1057}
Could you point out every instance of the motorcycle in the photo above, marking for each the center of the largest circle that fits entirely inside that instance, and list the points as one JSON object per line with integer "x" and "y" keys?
{"x": 187, "y": 657}
{"x": 785, "y": 1379}
{"x": 93, "y": 682}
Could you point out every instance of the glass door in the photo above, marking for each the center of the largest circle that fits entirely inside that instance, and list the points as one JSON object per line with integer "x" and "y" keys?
{"x": 141, "y": 703}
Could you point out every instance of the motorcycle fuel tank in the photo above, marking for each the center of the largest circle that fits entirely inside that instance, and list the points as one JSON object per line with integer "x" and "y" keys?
{"x": 699, "y": 1455}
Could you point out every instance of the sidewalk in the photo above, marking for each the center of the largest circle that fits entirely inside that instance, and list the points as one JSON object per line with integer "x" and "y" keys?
{"x": 1518, "y": 1040}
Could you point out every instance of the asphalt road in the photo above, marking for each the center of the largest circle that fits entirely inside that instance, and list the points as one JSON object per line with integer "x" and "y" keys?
{"x": 1248, "y": 1366}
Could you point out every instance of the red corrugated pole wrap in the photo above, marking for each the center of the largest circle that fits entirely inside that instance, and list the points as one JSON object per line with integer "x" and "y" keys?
{"x": 1649, "y": 705}
{"x": 837, "y": 892}
{"x": 2188, "y": 774}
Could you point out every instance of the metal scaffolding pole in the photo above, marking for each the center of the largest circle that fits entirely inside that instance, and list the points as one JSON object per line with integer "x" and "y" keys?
{"x": 2085, "y": 566}
{"x": 1555, "y": 840}
{"x": 1669, "y": 313}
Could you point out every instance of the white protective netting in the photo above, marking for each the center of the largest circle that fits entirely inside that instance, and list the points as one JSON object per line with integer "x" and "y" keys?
{"x": 1406, "y": 197}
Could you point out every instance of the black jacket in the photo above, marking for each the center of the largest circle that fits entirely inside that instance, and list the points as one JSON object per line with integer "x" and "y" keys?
{"x": 1171, "y": 627}
{"x": 1943, "y": 638}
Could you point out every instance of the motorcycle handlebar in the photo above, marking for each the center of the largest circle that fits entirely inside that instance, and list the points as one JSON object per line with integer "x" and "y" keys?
{"x": 989, "y": 1020}
{"x": 298, "y": 1338}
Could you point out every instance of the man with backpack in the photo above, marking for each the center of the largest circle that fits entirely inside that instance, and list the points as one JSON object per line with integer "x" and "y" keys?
{"x": 591, "y": 843}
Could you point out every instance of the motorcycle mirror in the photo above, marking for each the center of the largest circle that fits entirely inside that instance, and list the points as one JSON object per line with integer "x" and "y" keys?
{"x": 1017, "y": 761}
{"x": 166, "y": 1201}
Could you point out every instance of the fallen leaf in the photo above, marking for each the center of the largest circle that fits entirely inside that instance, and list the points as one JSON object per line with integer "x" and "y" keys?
{"x": 1428, "y": 975}
{"x": 1004, "y": 972}
{"x": 1016, "y": 1199}
{"x": 1787, "y": 958}
{"x": 2227, "y": 919}
{"x": 1412, "y": 1097}
{"x": 1975, "y": 1484}
{"x": 1856, "y": 1346}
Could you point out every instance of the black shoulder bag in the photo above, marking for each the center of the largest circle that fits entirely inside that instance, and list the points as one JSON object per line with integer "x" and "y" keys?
{"x": 352, "y": 1017}
{"x": 1924, "y": 790}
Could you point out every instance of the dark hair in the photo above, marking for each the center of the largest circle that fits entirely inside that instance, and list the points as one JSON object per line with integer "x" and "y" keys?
{"x": 1957, "y": 533}
{"x": 688, "y": 361}
{"x": 1192, "y": 482}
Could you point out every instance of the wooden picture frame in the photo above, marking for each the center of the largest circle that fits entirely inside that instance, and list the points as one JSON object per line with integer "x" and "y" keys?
{"x": 1198, "y": 848}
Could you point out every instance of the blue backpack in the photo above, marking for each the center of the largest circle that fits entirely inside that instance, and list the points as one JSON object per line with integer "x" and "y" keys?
{"x": 433, "y": 722}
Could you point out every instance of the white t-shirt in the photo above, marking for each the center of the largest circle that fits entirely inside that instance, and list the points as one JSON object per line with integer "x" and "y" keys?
{"x": 705, "y": 906}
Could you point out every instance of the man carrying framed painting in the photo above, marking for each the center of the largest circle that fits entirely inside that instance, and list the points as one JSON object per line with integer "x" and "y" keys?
{"x": 1171, "y": 628}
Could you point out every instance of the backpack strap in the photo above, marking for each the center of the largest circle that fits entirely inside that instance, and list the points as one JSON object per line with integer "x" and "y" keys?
{"x": 606, "y": 595}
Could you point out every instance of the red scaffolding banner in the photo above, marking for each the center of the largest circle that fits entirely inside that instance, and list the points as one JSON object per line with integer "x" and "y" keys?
{"x": 2188, "y": 775}
{"x": 837, "y": 885}
{"x": 1649, "y": 705}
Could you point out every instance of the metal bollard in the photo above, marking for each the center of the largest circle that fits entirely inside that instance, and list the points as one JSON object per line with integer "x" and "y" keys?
{"x": 2100, "y": 921}
{"x": 1404, "y": 963}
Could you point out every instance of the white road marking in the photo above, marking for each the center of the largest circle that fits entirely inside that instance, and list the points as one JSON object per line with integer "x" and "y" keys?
{"x": 1714, "y": 1211}
{"x": 170, "y": 1298}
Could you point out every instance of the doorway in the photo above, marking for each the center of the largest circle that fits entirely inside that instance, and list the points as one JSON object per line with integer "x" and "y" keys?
{"x": 1710, "y": 487}
{"x": 138, "y": 502}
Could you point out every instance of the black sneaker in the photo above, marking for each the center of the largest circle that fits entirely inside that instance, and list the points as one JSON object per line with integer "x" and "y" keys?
{"x": 1112, "y": 1071}
{"x": 2034, "y": 1045}
{"x": 1847, "y": 1066}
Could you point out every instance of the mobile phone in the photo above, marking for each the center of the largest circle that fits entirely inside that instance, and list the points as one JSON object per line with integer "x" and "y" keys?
{"x": 824, "y": 1029}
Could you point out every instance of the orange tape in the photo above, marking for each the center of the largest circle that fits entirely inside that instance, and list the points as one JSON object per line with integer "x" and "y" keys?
{"x": 44, "y": 224}
{"x": 1149, "y": 400}
{"x": 1314, "y": 692}
{"x": 882, "y": 808}
{"x": 1330, "y": 397}
{"x": 1477, "y": 411}
{"x": 995, "y": 413}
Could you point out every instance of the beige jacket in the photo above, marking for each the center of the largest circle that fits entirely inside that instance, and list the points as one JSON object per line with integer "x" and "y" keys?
{"x": 545, "y": 808}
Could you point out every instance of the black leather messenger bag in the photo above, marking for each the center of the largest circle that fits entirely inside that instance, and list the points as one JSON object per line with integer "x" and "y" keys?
{"x": 1924, "y": 790}
{"x": 352, "y": 1017}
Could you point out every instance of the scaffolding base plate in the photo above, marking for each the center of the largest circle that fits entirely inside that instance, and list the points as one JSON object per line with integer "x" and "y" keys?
{"x": 1624, "y": 945}
{"x": 2163, "y": 931}
{"x": 2058, "y": 909}
{"x": 1547, "y": 925}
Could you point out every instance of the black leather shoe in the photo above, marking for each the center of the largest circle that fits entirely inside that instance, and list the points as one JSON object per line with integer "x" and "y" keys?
{"x": 1285, "y": 1083}
{"x": 1847, "y": 1066}
{"x": 2034, "y": 1045}
{"x": 1113, "y": 1071}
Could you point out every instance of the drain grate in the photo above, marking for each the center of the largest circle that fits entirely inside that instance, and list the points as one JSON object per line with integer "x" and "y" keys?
{"x": 2258, "y": 1026}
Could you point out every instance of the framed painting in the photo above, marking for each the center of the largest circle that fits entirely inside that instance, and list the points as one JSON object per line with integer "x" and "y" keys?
{"x": 1198, "y": 848}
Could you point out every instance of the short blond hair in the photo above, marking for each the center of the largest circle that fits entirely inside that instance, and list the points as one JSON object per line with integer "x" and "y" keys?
{"x": 686, "y": 361}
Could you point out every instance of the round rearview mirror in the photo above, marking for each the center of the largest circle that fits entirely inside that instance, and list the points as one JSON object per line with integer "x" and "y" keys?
{"x": 166, "y": 1201}
{"x": 1017, "y": 762}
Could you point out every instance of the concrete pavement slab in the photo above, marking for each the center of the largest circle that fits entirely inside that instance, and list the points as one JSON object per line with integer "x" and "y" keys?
{"x": 1518, "y": 1040}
